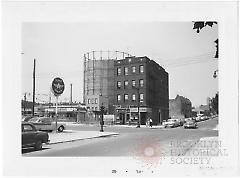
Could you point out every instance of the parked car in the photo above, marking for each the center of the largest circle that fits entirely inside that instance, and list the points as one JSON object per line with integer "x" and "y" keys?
{"x": 172, "y": 123}
{"x": 198, "y": 118}
{"x": 181, "y": 121}
{"x": 47, "y": 124}
{"x": 190, "y": 124}
{"x": 31, "y": 137}
{"x": 203, "y": 118}
{"x": 188, "y": 119}
{"x": 26, "y": 118}
{"x": 164, "y": 123}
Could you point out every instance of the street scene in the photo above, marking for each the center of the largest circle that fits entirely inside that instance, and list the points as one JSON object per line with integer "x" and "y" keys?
{"x": 127, "y": 142}
{"x": 148, "y": 88}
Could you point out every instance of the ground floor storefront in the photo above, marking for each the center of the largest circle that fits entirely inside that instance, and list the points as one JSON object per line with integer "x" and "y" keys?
{"x": 130, "y": 115}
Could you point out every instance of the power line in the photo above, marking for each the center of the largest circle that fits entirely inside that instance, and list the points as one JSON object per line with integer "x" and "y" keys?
{"x": 189, "y": 63}
{"x": 187, "y": 58}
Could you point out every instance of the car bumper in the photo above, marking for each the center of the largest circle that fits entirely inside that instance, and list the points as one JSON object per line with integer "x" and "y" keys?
{"x": 190, "y": 126}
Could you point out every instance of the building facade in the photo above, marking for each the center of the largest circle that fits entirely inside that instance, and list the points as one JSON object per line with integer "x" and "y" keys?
{"x": 140, "y": 83}
{"x": 180, "y": 107}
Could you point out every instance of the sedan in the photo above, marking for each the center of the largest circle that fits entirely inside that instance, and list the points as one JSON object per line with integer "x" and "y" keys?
{"x": 190, "y": 124}
{"x": 33, "y": 138}
{"x": 172, "y": 123}
{"x": 26, "y": 118}
{"x": 47, "y": 124}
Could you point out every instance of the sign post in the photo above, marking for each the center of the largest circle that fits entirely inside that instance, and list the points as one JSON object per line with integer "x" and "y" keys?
{"x": 57, "y": 89}
{"x": 56, "y": 111}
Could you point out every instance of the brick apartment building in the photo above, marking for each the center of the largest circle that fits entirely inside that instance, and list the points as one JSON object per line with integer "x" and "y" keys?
{"x": 139, "y": 79}
{"x": 180, "y": 107}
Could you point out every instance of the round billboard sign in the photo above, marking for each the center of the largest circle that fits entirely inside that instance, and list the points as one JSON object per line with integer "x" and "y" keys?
{"x": 57, "y": 86}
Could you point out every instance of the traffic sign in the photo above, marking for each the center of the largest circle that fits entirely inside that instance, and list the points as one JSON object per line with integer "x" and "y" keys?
{"x": 57, "y": 86}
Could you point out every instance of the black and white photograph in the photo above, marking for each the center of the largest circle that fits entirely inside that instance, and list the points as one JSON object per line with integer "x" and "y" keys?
{"x": 121, "y": 88}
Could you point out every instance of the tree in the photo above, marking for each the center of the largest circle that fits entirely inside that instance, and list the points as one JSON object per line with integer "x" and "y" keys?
{"x": 201, "y": 24}
{"x": 214, "y": 103}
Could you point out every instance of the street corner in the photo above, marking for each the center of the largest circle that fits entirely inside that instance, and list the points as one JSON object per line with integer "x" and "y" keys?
{"x": 106, "y": 134}
{"x": 73, "y": 135}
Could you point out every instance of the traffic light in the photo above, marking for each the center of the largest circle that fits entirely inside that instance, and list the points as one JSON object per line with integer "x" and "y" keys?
{"x": 216, "y": 55}
{"x": 215, "y": 74}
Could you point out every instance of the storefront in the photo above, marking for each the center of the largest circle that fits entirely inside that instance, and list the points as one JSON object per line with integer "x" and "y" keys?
{"x": 67, "y": 113}
{"x": 130, "y": 115}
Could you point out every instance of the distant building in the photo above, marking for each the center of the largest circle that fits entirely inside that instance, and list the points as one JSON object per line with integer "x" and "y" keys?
{"x": 202, "y": 109}
{"x": 139, "y": 79}
{"x": 66, "y": 112}
{"x": 180, "y": 107}
{"x": 208, "y": 101}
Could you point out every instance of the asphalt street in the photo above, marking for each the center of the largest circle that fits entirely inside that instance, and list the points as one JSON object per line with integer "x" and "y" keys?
{"x": 129, "y": 142}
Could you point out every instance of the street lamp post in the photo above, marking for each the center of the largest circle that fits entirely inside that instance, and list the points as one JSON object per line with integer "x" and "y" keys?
{"x": 138, "y": 98}
{"x": 101, "y": 121}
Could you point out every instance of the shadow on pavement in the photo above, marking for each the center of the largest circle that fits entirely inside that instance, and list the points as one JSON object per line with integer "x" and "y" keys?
{"x": 28, "y": 150}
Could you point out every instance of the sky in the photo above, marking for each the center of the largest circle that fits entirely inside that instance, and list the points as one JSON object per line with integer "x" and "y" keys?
{"x": 58, "y": 48}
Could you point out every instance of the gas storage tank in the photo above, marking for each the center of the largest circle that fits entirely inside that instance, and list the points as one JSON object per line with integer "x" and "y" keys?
{"x": 99, "y": 79}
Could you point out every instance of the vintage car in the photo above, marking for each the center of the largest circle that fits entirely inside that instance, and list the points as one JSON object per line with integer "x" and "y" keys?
{"x": 172, "y": 123}
{"x": 190, "y": 124}
{"x": 31, "y": 137}
{"x": 26, "y": 118}
{"x": 47, "y": 124}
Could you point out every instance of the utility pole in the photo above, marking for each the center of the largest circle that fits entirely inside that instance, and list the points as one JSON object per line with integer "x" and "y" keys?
{"x": 71, "y": 94}
{"x": 138, "y": 106}
{"x": 101, "y": 121}
{"x": 24, "y": 105}
{"x": 139, "y": 116}
{"x": 34, "y": 64}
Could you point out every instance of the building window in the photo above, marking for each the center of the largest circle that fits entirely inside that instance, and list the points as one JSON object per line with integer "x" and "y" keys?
{"x": 96, "y": 108}
{"x": 141, "y": 68}
{"x": 125, "y": 84}
{"x": 133, "y": 97}
{"x": 141, "y": 97}
{"x": 96, "y": 101}
{"x": 118, "y": 85}
{"x": 133, "y": 83}
{"x": 93, "y": 100}
{"x": 141, "y": 82}
{"x": 125, "y": 97}
{"x": 92, "y": 108}
{"x": 133, "y": 69}
{"x": 125, "y": 70}
{"x": 119, "y": 98}
{"x": 89, "y": 101}
{"x": 118, "y": 71}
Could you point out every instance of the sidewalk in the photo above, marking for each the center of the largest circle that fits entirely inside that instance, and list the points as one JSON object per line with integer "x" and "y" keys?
{"x": 142, "y": 126}
{"x": 126, "y": 126}
{"x": 70, "y": 135}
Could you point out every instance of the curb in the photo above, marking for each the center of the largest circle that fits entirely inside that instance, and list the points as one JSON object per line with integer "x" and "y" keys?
{"x": 87, "y": 138}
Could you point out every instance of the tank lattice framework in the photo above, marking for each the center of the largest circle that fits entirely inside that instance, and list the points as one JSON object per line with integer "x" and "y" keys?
{"x": 105, "y": 55}
{"x": 99, "y": 76}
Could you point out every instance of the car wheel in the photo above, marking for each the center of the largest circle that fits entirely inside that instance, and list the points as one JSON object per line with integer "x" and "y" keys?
{"x": 60, "y": 129}
{"x": 38, "y": 145}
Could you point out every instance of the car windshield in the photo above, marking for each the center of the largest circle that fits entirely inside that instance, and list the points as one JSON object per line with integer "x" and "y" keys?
{"x": 46, "y": 119}
{"x": 35, "y": 119}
